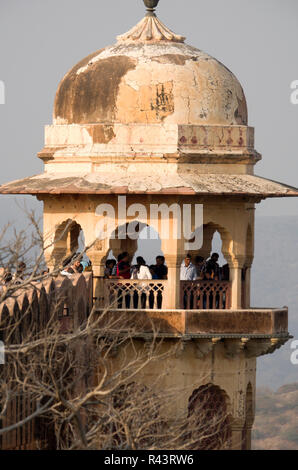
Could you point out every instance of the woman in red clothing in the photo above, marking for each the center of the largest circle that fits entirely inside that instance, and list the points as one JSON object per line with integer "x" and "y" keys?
{"x": 123, "y": 266}
{"x": 123, "y": 272}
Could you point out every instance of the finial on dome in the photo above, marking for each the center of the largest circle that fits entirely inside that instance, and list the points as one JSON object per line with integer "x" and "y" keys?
{"x": 151, "y": 5}
{"x": 150, "y": 28}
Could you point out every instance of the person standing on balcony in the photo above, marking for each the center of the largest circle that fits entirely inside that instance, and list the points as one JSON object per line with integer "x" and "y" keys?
{"x": 200, "y": 265}
{"x": 212, "y": 273}
{"x": 160, "y": 268}
{"x": 152, "y": 272}
{"x": 141, "y": 271}
{"x": 108, "y": 272}
{"x": 211, "y": 270}
{"x": 123, "y": 266}
{"x": 188, "y": 272}
{"x": 161, "y": 272}
{"x": 123, "y": 272}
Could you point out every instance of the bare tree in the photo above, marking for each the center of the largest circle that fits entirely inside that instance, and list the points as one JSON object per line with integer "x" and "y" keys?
{"x": 73, "y": 381}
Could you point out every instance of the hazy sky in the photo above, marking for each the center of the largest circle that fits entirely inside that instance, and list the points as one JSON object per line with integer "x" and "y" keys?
{"x": 40, "y": 40}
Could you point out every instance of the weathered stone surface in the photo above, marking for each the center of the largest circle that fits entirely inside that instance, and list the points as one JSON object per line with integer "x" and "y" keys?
{"x": 187, "y": 184}
{"x": 261, "y": 323}
{"x": 92, "y": 97}
{"x": 129, "y": 83}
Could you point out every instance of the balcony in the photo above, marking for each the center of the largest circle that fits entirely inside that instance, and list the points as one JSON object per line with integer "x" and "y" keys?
{"x": 204, "y": 310}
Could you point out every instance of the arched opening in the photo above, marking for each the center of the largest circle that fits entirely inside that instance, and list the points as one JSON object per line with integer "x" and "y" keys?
{"x": 216, "y": 247}
{"x": 69, "y": 240}
{"x": 136, "y": 280}
{"x": 212, "y": 287}
{"x": 216, "y": 239}
{"x": 209, "y": 418}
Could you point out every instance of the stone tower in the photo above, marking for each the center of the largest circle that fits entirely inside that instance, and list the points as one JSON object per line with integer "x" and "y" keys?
{"x": 156, "y": 121}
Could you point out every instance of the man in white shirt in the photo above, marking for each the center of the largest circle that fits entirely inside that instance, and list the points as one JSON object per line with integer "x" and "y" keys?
{"x": 188, "y": 272}
{"x": 141, "y": 272}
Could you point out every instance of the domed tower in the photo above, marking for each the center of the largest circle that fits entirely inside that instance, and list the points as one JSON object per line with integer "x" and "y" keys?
{"x": 154, "y": 132}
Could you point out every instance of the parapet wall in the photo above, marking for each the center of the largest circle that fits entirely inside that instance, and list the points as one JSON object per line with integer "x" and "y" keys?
{"x": 61, "y": 296}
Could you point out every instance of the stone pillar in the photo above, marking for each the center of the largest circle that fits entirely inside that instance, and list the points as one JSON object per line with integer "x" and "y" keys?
{"x": 172, "y": 290}
{"x": 247, "y": 287}
{"x": 236, "y": 275}
{"x": 97, "y": 257}
{"x": 174, "y": 253}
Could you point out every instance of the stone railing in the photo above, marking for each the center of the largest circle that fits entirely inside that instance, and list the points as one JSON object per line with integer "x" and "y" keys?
{"x": 135, "y": 294}
{"x": 201, "y": 295}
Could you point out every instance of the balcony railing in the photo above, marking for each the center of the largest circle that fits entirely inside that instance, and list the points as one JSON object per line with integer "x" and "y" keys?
{"x": 153, "y": 294}
{"x": 135, "y": 294}
{"x": 205, "y": 295}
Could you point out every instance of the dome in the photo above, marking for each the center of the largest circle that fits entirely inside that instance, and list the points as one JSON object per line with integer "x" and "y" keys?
{"x": 150, "y": 76}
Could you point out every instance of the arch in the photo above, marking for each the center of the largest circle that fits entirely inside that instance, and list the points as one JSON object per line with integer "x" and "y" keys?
{"x": 134, "y": 243}
{"x": 209, "y": 230}
{"x": 210, "y": 418}
{"x": 66, "y": 240}
{"x": 121, "y": 240}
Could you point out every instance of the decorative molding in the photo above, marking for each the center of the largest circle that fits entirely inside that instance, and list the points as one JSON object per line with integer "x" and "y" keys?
{"x": 150, "y": 29}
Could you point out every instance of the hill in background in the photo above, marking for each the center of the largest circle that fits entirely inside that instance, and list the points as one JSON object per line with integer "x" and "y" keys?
{"x": 276, "y": 422}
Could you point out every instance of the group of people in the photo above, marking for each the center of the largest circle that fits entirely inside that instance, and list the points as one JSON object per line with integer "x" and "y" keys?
{"x": 72, "y": 265}
{"x": 75, "y": 265}
{"x": 7, "y": 277}
{"x": 202, "y": 269}
{"x": 122, "y": 268}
